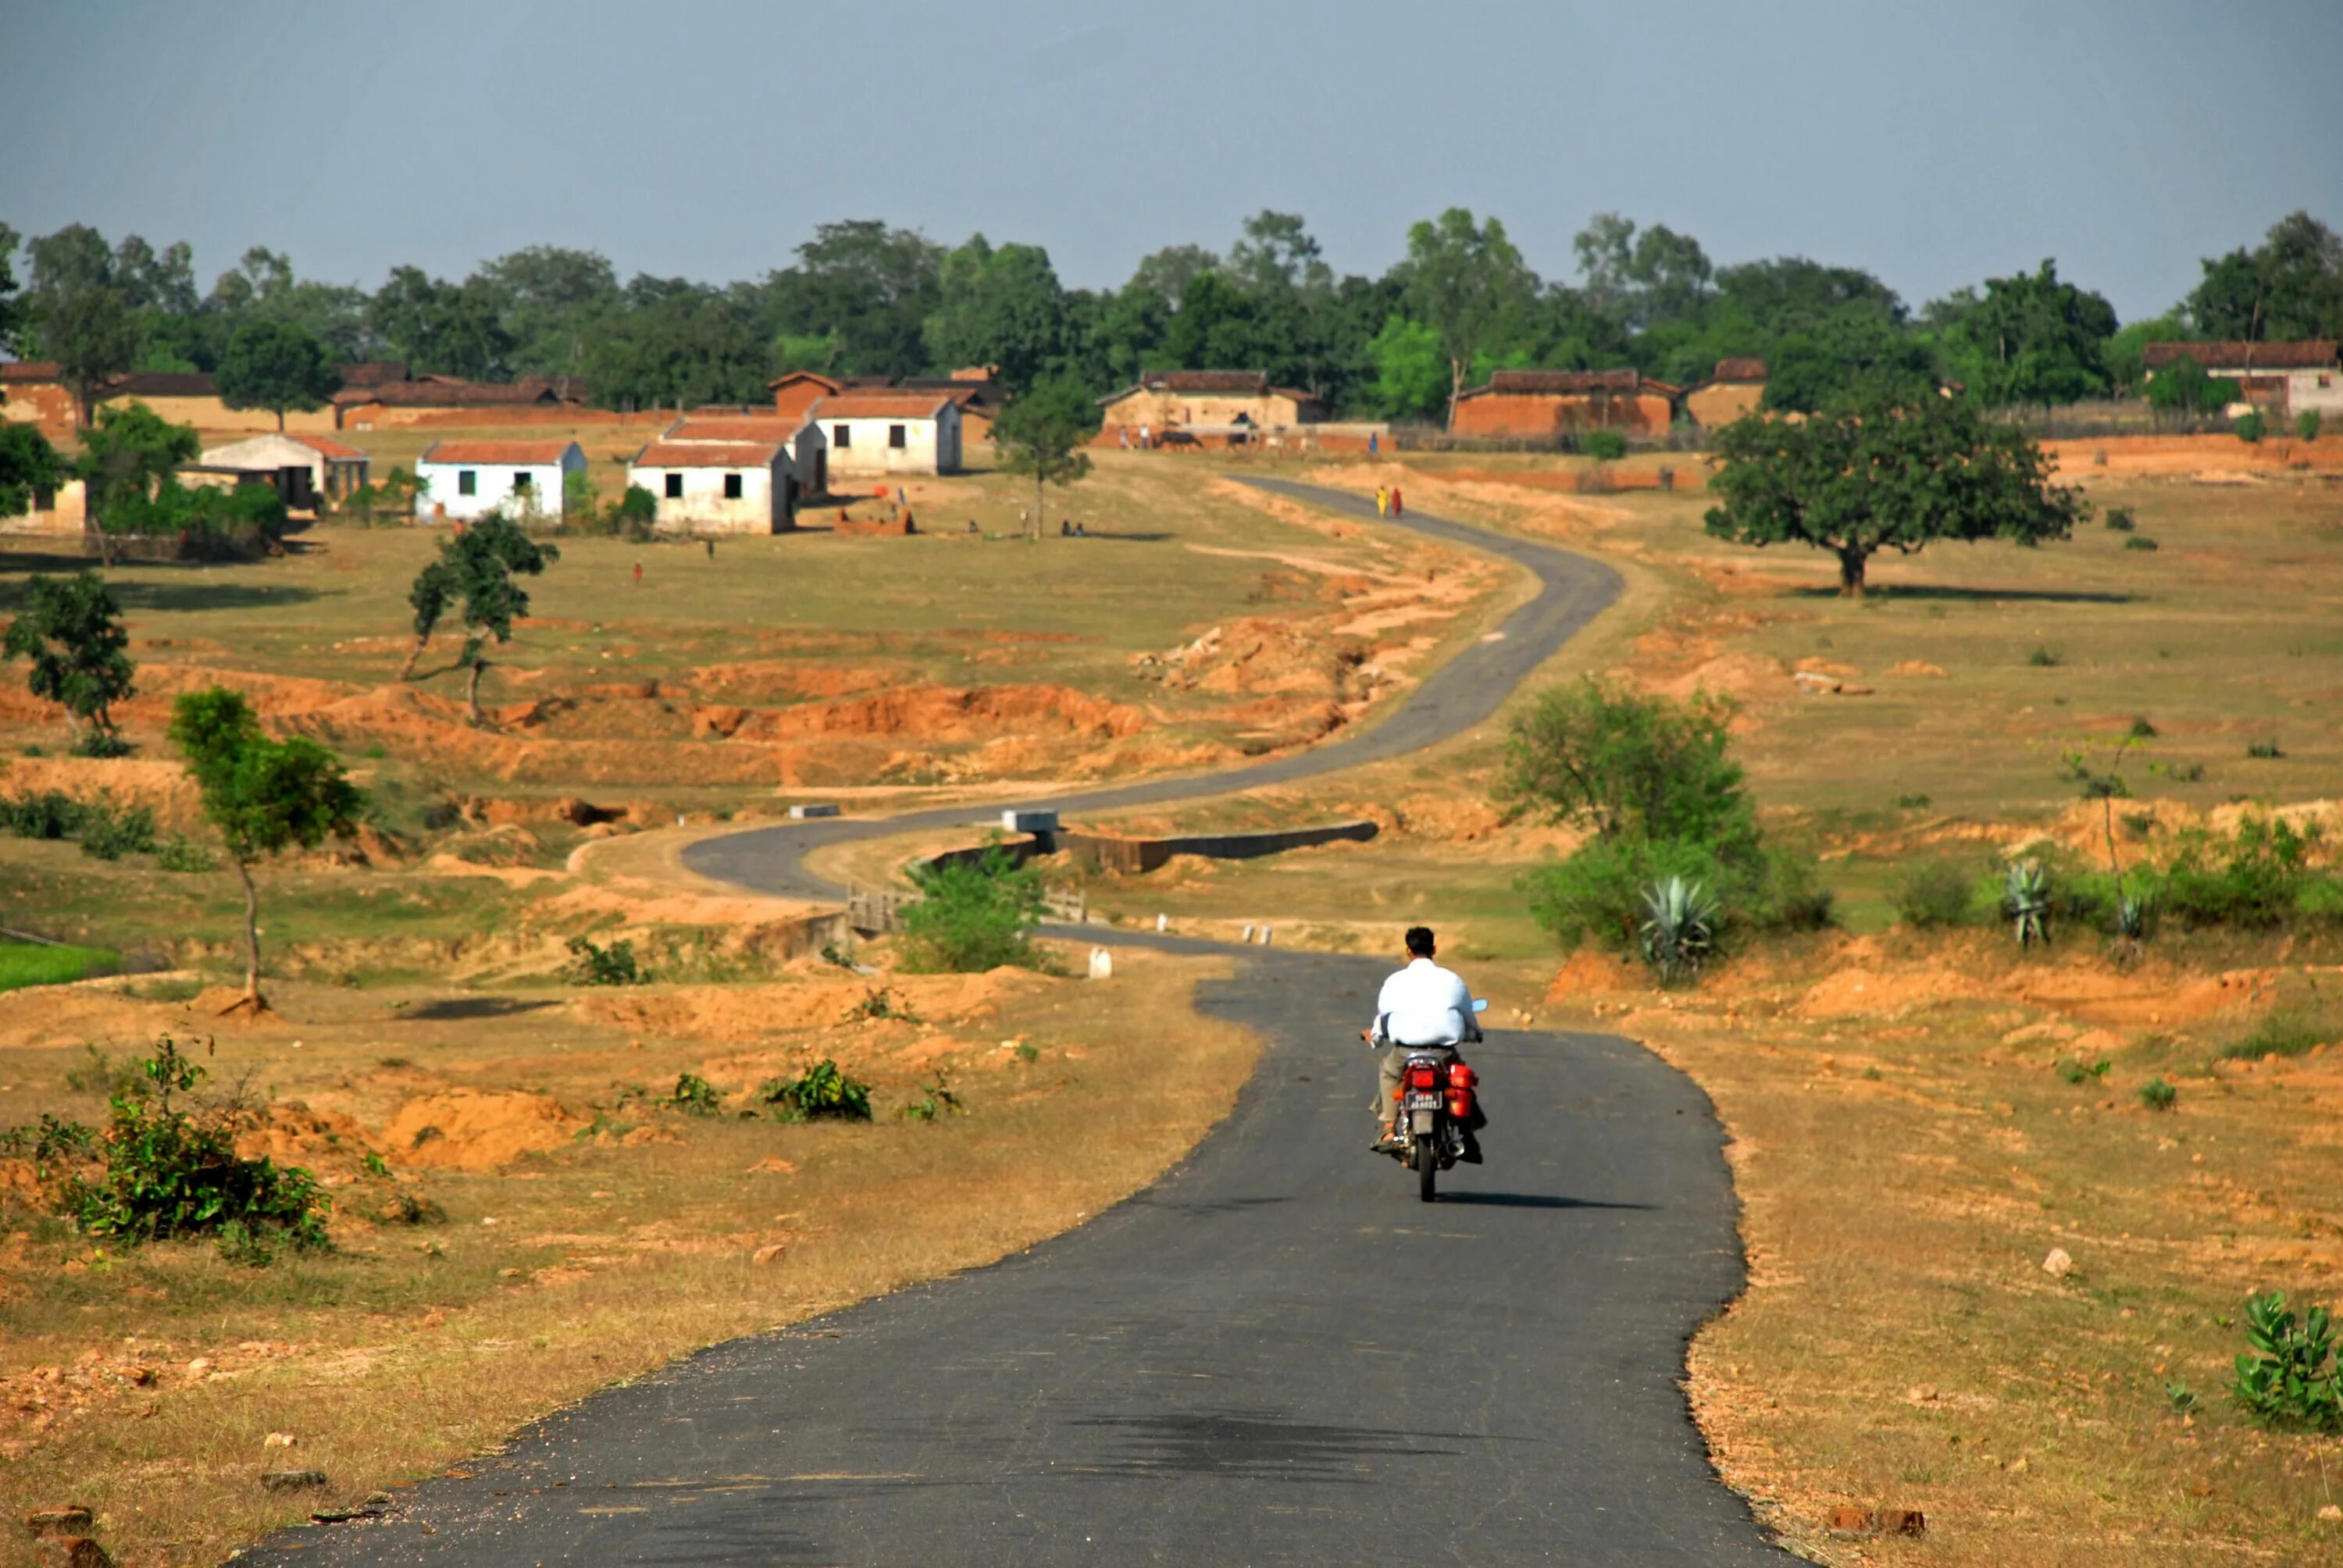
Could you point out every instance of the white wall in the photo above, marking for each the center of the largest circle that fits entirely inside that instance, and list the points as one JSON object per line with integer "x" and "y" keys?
{"x": 441, "y": 501}
{"x": 703, "y": 508}
{"x": 930, "y": 446}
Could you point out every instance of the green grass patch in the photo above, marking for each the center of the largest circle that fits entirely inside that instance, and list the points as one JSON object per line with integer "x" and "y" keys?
{"x": 36, "y": 963}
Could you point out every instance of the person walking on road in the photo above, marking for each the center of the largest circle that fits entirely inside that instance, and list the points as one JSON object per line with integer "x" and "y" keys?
{"x": 1383, "y": 502}
{"x": 1395, "y": 498}
{"x": 639, "y": 574}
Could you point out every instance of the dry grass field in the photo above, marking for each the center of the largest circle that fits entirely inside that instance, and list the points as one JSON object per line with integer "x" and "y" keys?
{"x": 519, "y": 1217}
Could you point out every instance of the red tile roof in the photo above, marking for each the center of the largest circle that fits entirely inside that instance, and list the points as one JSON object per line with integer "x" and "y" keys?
{"x": 1205, "y": 380}
{"x": 2315, "y": 354}
{"x": 756, "y": 428}
{"x": 1738, "y": 370}
{"x": 815, "y": 377}
{"x": 517, "y": 453}
{"x": 882, "y": 404}
{"x": 450, "y": 392}
{"x": 29, "y": 370}
{"x": 373, "y": 372}
{"x": 707, "y": 455}
{"x": 1570, "y": 383}
{"x": 325, "y": 447}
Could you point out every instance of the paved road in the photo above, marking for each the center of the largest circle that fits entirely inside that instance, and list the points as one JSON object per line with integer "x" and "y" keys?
{"x": 1273, "y": 1355}
{"x": 1571, "y": 591}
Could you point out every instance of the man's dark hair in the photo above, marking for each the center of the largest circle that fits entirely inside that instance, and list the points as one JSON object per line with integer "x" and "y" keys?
{"x": 1419, "y": 941}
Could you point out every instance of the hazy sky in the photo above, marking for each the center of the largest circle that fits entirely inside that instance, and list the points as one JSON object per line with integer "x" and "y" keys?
{"x": 1933, "y": 144}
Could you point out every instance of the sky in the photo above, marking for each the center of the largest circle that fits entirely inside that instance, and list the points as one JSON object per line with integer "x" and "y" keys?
{"x": 1933, "y": 144}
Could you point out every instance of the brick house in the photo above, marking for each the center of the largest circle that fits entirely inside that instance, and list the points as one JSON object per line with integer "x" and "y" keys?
{"x": 1734, "y": 388}
{"x": 2284, "y": 377}
{"x": 1542, "y": 405}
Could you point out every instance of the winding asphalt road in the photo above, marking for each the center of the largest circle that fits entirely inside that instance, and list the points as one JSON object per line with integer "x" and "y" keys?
{"x": 1274, "y": 1354}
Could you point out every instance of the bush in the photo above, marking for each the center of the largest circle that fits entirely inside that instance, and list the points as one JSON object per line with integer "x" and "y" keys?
{"x": 2283, "y": 1034}
{"x": 2139, "y": 542}
{"x": 2250, "y": 428}
{"x": 102, "y": 744}
{"x": 108, "y": 832}
{"x": 1933, "y": 896}
{"x": 937, "y": 1100}
{"x": 695, "y": 1096}
{"x": 2025, "y": 902}
{"x": 242, "y": 515}
{"x": 820, "y": 1091}
{"x": 169, "y": 1172}
{"x": 613, "y": 965}
{"x": 1679, "y": 930}
{"x": 2264, "y": 750}
{"x": 971, "y": 915}
{"x": 52, "y": 814}
{"x": 2158, "y": 1095}
{"x": 1604, "y": 445}
{"x": 2079, "y": 1073}
{"x": 177, "y": 853}
{"x": 2045, "y": 657}
{"x": 2118, "y": 519}
{"x": 2306, "y": 424}
{"x": 2292, "y": 1379}
{"x": 2256, "y": 879}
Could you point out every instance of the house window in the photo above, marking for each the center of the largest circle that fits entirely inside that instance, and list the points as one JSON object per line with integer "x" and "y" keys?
{"x": 520, "y": 482}
{"x": 467, "y": 481}
{"x": 899, "y": 436}
{"x": 732, "y": 487}
{"x": 675, "y": 486}
{"x": 841, "y": 436}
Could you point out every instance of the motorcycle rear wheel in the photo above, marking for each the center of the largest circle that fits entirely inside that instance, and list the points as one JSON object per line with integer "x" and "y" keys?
{"x": 1427, "y": 1166}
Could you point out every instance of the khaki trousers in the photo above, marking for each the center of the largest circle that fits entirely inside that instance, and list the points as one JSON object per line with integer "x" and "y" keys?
{"x": 1395, "y": 1057}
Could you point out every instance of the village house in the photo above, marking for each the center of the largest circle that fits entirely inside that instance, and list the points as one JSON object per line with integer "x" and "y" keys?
{"x": 2285, "y": 378}
{"x": 307, "y": 469}
{"x": 1734, "y": 389}
{"x": 889, "y": 431}
{"x": 718, "y": 486}
{"x": 466, "y": 479}
{"x": 35, "y": 396}
{"x": 799, "y": 390}
{"x": 978, "y": 395}
{"x": 451, "y": 400}
{"x": 1544, "y": 405}
{"x": 1201, "y": 403}
{"x": 807, "y": 448}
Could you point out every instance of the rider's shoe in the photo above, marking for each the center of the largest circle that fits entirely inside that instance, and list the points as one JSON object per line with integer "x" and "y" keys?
{"x": 1472, "y": 1155}
{"x": 1390, "y": 1142}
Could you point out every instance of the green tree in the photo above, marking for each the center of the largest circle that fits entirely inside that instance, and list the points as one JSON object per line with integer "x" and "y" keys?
{"x": 124, "y": 458}
{"x": 873, "y": 287}
{"x": 1880, "y": 475}
{"x": 1465, "y": 281}
{"x": 2126, "y": 352}
{"x": 1003, "y": 308}
{"x": 1167, "y": 273}
{"x": 481, "y": 564}
{"x": 2290, "y": 287}
{"x": 2184, "y": 387}
{"x": 1040, "y": 436}
{"x": 275, "y": 365}
{"x": 12, "y": 303}
{"x": 29, "y": 467}
{"x": 432, "y": 593}
{"x": 93, "y": 338}
{"x": 1857, "y": 353}
{"x": 264, "y": 796}
{"x": 71, "y": 630}
{"x": 2032, "y": 340}
{"x": 1411, "y": 373}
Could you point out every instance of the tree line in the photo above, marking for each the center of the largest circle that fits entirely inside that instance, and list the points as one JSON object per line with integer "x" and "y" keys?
{"x": 865, "y": 298}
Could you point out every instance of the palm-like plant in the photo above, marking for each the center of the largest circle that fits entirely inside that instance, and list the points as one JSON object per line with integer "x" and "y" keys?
{"x": 2025, "y": 897}
{"x": 1680, "y": 923}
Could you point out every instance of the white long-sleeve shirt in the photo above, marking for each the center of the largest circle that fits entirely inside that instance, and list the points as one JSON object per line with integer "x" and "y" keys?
{"x": 1424, "y": 1004}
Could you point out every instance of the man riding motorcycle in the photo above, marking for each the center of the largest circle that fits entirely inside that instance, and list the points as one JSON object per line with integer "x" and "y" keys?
{"x": 1421, "y": 1007}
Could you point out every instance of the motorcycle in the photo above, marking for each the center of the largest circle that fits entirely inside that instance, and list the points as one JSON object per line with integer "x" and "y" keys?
{"x": 1435, "y": 1104}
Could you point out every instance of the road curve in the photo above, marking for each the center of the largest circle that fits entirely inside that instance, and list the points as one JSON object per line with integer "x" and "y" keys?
{"x": 1275, "y": 1355}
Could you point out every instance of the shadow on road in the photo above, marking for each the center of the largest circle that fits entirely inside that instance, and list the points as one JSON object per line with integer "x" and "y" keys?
{"x": 1534, "y": 1200}
{"x": 1255, "y": 1443}
{"x": 1976, "y": 595}
{"x": 471, "y": 1007}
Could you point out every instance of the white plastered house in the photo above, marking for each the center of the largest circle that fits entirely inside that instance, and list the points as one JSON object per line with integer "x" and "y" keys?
{"x": 466, "y": 479}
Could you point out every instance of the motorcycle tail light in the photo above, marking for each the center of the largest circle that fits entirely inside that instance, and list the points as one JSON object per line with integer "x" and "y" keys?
{"x": 1423, "y": 1077}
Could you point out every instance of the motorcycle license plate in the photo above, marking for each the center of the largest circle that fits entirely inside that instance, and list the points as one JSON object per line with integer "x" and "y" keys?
{"x": 1420, "y": 1101}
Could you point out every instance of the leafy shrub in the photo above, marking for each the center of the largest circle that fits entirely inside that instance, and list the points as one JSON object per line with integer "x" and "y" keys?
{"x": 1933, "y": 896}
{"x": 2074, "y": 1071}
{"x": 246, "y": 513}
{"x": 2251, "y": 426}
{"x": 2044, "y": 656}
{"x": 2025, "y": 902}
{"x": 2281, "y": 1034}
{"x": 169, "y": 1172}
{"x": 98, "y": 743}
{"x": 52, "y": 814}
{"x": 2141, "y": 729}
{"x": 1604, "y": 445}
{"x": 177, "y": 853}
{"x": 695, "y": 1096}
{"x": 2139, "y": 542}
{"x": 820, "y": 1091}
{"x": 2158, "y": 1095}
{"x": 2180, "y": 772}
{"x": 613, "y": 965}
{"x": 2306, "y": 424}
{"x": 2255, "y": 878}
{"x": 2118, "y": 519}
{"x": 1680, "y": 922}
{"x": 108, "y": 832}
{"x": 1913, "y": 802}
{"x": 937, "y": 1100}
{"x": 971, "y": 915}
{"x": 2264, "y": 750}
{"x": 2291, "y": 1380}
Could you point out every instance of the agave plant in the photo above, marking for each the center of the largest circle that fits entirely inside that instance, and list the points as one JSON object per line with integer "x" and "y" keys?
{"x": 1680, "y": 922}
{"x": 2132, "y": 912}
{"x": 2025, "y": 897}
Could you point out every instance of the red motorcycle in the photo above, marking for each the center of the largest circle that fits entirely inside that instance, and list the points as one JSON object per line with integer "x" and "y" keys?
{"x": 1437, "y": 1115}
